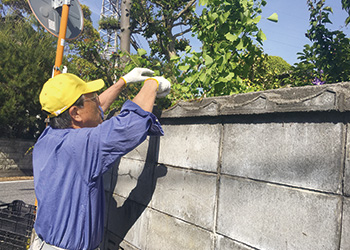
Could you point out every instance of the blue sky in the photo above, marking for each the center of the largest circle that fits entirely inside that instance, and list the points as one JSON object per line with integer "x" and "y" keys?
{"x": 285, "y": 38}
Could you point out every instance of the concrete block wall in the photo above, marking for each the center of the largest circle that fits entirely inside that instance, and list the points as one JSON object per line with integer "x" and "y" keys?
{"x": 15, "y": 157}
{"x": 266, "y": 170}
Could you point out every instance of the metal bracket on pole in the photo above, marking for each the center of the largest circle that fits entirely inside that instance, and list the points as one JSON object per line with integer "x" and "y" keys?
{"x": 59, "y": 3}
{"x": 55, "y": 69}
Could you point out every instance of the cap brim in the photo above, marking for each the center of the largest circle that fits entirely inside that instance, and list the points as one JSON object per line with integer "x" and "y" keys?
{"x": 94, "y": 86}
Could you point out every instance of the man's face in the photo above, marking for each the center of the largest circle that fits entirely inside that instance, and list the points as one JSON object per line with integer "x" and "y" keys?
{"x": 90, "y": 113}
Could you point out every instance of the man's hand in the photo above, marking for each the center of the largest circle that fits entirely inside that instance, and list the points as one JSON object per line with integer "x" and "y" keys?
{"x": 164, "y": 86}
{"x": 137, "y": 75}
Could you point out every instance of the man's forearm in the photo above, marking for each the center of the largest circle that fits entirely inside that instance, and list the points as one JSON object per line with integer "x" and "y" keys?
{"x": 111, "y": 94}
{"x": 147, "y": 95}
{"x": 145, "y": 98}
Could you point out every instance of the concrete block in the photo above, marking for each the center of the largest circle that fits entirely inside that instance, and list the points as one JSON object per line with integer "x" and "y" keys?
{"x": 11, "y": 167}
{"x": 140, "y": 152}
{"x": 165, "y": 232}
{"x": 124, "y": 245}
{"x": 205, "y": 107}
{"x": 308, "y": 155}
{"x": 191, "y": 146}
{"x": 25, "y": 163}
{"x": 128, "y": 220}
{"x": 109, "y": 180}
{"x": 109, "y": 241}
{"x": 327, "y": 97}
{"x": 15, "y": 155}
{"x": 137, "y": 180}
{"x": 3, "y": 155}
{"x": 127, "y": 175}
{"x": 108, "y": 197}
{"x": 8, "y": 149}
{"x": 224, "y": 243}
{"x": 188, "y": 195}
{"x": 345, "y": 237}
{"x": 7, "y": 161}
{"x": 151, "y": 230}
{"x": 347, "y": 165}
{"x": 267, "y": 216}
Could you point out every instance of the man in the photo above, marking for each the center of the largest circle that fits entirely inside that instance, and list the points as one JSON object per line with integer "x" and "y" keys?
{"x": 72, "y": 153}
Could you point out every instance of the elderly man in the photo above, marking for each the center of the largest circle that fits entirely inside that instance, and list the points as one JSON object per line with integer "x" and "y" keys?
{"x": 73, "y": 153}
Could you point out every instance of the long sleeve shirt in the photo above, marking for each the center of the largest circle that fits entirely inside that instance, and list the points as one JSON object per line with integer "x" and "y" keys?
{"x": 68, "y": 168}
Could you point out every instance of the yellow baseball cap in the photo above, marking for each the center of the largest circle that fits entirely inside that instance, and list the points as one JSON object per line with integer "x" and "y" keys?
{"x": 62, "y": 91}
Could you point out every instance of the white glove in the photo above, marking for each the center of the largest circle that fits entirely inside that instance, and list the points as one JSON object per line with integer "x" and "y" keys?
{"x": 136, "y": 75}
{"x": 164, "y": 86}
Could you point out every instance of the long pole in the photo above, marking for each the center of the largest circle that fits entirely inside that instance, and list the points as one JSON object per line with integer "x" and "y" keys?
{"x": 61, "y": 39}
{"x": 60, "y": 47}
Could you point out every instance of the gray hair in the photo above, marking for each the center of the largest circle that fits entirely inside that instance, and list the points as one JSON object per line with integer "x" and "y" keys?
{"x": 64, "y": 120}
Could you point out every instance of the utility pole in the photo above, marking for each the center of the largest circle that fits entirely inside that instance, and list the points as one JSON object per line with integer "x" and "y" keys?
{"x": 125, "y": 34}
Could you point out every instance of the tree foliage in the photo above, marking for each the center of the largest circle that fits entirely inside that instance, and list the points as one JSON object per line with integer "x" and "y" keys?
{"x": 229, "y": 33}
{"x": 231, "y": 59}
{"x": 163, "y": 23}
{"x": 278, "y": 65}
{"x": 346, "y": 7}
{"x": 327, "y": 59}
{"x": 18, "y": 7}
{"x": 26, "y": 61}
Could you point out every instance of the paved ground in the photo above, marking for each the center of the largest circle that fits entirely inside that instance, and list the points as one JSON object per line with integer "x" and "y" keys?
{"x": 17, "y": 190}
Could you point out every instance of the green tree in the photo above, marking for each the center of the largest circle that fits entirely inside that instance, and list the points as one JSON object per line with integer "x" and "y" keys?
{"x": 27, "y": 56}
{"x": 163, "y": 23}
{"x": 327, "y": 59}
{"x": 267, "y": 72}
{"x": 33, "y": 39}
{"x": 278, "y": 65}
{"x": 229, "y": 33}
{"x": 346, "y": 7}
{"x": 19, "y": 7}
{"x": 230, "y": 60}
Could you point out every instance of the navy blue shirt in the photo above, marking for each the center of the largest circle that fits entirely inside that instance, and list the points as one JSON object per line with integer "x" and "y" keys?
{"x": 68, "y": 167}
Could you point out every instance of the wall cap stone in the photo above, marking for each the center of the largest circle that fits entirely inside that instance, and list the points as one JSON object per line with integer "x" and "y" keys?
{"x": 328, "y": 97}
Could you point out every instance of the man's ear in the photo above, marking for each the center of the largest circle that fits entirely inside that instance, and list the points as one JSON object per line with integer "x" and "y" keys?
{"x": 75, "y": 114}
